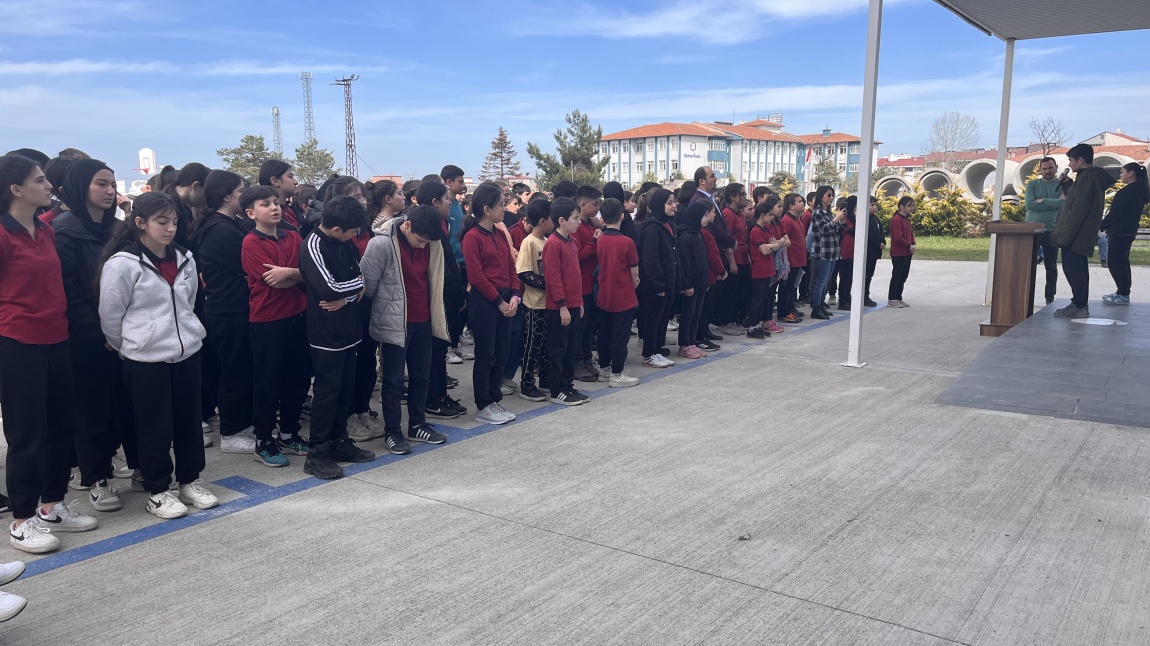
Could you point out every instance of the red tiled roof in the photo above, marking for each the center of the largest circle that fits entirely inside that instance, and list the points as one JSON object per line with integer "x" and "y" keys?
{"x": 750, "y": 132}
{"x": 912, "y": 162}
{"x": 762, "y": 122}
{"x": 660, "y": 130}
{"x": 834, "y": 138}
{"x": 1137, "y": 153}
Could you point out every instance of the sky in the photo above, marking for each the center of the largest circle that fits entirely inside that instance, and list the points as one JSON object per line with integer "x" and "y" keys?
{"x": 437, "y": 80}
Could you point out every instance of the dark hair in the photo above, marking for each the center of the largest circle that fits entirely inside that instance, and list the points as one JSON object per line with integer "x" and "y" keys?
{"x": 305, "y": 195}
{"x": 687, "y": 191}
{"x": 614, "y": 190}
{"x": 1084, "y": 152}
{"x": 611, "y": 210}
{"x": 562, "y": 208}
{"x": 730, "y": 192}
{"x": 426, "y": 221}
{"x": 162, "y": 178}
{"x": 256, "y": 193}
{"x": 30, "y": 153}
{"x": 343, "y": 185}
{"x": 587, "y": 193}
{"x": 646, "y": 186}
{"x": 409, "y": 189}
{"x": 766, "y": 206}
{"x": 811, "y": 197}
{"x": 700, "y": 175}
{"x": 218, "y": 185}
{"x": 429, "y": 192}
{"x": 272, "y": 168}
{"x": 74, "y": 153}
{"x": 1048, "y": 159}
{"x": 518, "y": 188}
{"x": 537, "y": 211}
{"x": 14, "y": 169}
{"x": 343, "y": 212}
{"x": 145, "y": 207}
{"x": 192, "y": 173}
{"x": 380, "y": 191}
{"x": 565, "y": 189}
{"x": 789, "y": 200}
{"x": 56, "y": 170}
{"x": 450, "y": 173}
{"x": 820, "y": 193}
{"x": 431, "y": 178}
{"x": 1139, "y": 176}
{"x": 759, "y": 192}
{"x": 852, "y": 205}
{"x": 628, "y": 195}
{"x": 486, "y": 196}
{"x": 904, "y": 200}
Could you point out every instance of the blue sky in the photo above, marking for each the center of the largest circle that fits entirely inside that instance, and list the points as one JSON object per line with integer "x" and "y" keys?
{"x": 437, "y": 79}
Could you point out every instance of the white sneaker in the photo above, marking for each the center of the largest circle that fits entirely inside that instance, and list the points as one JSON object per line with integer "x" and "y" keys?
{"x": 657, "y": 361}
{"x": 622, "y": 380}
{"x": 165, "y": 505}
{"x": 11, "y": 605}
{"x": 467, "y": 356}
{"x": 465, "y": 338}
{"x": 213, "y": 424}
{"x": 508, "y": 387}
{"x": 895, "y": 304}
{"x": 32, "y": 537}
{"x": 491, "y": 415}
{"x": 207, "y": 440}
{"x": 604, "y": 373}
{"x": 74, "y": 481}
{"x": 672, "y": 325}
{"x": 506, "y": 413}
{"x": 241, "y": 442}
{"x": 120, "y": 467}
{"x": 357, "y": 429}
{"x": 104, "y": 497}
{"x": 454, "y": 355}
{"x": 196, "y": 495}
{"x": 9, "y": 572}
{"x": 63, "y": 518}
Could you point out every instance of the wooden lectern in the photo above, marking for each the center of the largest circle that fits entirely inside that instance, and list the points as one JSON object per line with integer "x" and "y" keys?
{"x": 1015, "y": 253}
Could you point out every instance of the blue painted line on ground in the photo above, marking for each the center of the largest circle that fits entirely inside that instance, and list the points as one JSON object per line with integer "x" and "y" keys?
{"x": 257, "y": 493}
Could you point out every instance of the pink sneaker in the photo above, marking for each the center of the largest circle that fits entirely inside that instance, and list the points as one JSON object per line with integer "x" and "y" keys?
{"x": 775, "y": 327}
{"x": 685, "y": 352}
{"x": 697, "y": 353}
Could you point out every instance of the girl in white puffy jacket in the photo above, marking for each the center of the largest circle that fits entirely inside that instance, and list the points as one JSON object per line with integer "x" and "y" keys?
{"x": 147, "y": 292}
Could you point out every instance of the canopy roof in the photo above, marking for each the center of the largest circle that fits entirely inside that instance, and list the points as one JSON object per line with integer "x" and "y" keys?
{"x": 1027, "y": 19}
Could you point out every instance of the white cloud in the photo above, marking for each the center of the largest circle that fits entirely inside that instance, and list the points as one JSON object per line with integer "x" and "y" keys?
{"x": 79, "y": 66}
{"x": 83, "y": 66}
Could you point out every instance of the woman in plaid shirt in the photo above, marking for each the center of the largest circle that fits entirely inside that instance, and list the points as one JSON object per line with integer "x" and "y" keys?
{"x": 826, "y": 226}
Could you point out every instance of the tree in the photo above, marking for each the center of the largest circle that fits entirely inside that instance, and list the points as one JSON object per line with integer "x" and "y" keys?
{"x": 246, "y": 158}
{"x": 782, "y": 182}
{"x": 881, "y": 172}
{"x": 1048, "y": 133}
{"x": 313, "y": 164}
{"x": 951, "y": 132}
{"x": 826, "y": 173}
{"x": 500, "y": 162}
{"x": 577, "y": 147}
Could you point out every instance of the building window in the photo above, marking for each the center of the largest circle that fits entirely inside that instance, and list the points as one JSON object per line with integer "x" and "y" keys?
{"x": 614, "y": 149}
{"x": 650, "y": 146}
{"x": 626, "y": 146}
{"x": 854, "y": 168}
{"x": 854, "y": 149}
{"x": 638, "y": 167}
{"x": 674, "y": 144}
{"x": 842, "y": 166}
{"x": 842, "y": 149}
{"x": 650, "y": 167}
{"x": 674, "y": 164}
{"x": 614, "y": 168}
{"x": 754, "y": 146}
{"x": 754, "y": 167}
{"x": 662, "y": 144}
{"x": 662, "y": 165}
{"x": 717, "y": 144}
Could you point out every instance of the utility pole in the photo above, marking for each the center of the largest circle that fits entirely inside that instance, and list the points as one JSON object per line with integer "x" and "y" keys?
{"x": 277, "y": 134}
{"x": 352, "y": 168}
{"x": 308, "y": 120}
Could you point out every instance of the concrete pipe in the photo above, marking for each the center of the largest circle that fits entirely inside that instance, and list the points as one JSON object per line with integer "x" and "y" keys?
{"x": 1029, "y": 166}
{"x": 977, "y": 176}
{"x": 1112, "y": 162}
{"x": 932, "y": 181}
{"x": 891, "y": 186}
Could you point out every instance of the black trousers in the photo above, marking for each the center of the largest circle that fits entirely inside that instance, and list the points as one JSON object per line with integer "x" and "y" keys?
{"x": 1119, "y": 262}
{"x": 871, "y": 264}
{"x": 758, "y": 301}
{"x": 614, "y": 335}
{"x": 231, "y": 336}
{"x": 331, "y": 395}
{"x": 37, "y": 401}
{"x": 1050, "y": 262}
{"x": 899, "y": 274}
{"x": 535, "y": 347}
{"x": 209, "y": 379}
{"x": 1076, "y": 268}
{"x": 104, "y": 417}
{"x": 365, "y": 362}
{"x": 807, "y": 281}
{"x": 492, "y": 333}
{"x": 437, "y": 380}
{"x": 456, "y": 321}
{"x": 561, "y": 341}
{"x": 740, "y": 292}
{"x": 711, "y": 300}
{"x": 588, "y": 325}
{"x": 416, "y": 355}
{"x": 690, "y": 309}
{"x": 656, "y": 311}
{"x": 167, "y": 405}
{"x": 282, "y": 375}
{"x": 846, "y": 268}
{"x": 787, "y": 292}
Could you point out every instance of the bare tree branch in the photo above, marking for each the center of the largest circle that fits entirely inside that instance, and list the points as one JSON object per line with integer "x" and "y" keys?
{"x": 950, "y": 133}
{"x": 1048, "y": 133}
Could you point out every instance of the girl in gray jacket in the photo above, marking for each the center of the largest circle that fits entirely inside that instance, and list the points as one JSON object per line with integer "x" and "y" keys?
{"x": 147, "y": 293}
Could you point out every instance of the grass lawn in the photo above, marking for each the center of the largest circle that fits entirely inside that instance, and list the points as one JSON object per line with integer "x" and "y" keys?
{"x": 940, "y": 248}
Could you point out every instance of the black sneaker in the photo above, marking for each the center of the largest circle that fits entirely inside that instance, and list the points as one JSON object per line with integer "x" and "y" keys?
{"x": 452, "y": 382}
{"x": 4, "y": 506}
{"x": 346, "y": 451}
{"x": 578, "y": 396}
{"x": 758, "y": 333}
{"x": 711, "y": 336}
{"x": 397, "y": 444}
{"x": 426, "y": 433}
{"x": 584, "y": 372}
{"x": 707, "y": 346}
{"x": 453, "y": 405}
{"x": 320, "y": 465}
{"x": 528, "y": 391}
{"x": 439, "y": 411}
{"x": 665, "y": 351}
{"x": 569, "y": 397}
{"x": 867, "y": 302}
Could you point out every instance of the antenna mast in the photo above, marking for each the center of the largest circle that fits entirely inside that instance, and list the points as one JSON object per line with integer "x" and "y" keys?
{"x": 308, "y": 119}
{"x": 351, "y": 168}
{"x": 277, "y": 133}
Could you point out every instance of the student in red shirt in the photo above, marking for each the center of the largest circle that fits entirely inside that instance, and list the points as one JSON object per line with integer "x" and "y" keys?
{"x": 564, "y": 302}
{"x": 716, "y": 272}
{"x": 278, "y": 174}
{"x": 280, "y": 364}
{"x": 588, "y": 198}
{"x": 778, "y": 235}
{"x": 805, "y": 281}
{"x": 492, "y": 302}
{"x": 793, "y": 205}
{"x": 738, "y": 284}
{"x": 618, "y": 277}
{"x": 762, "y": 247}
{"x": 902, "y": 248}
{"x": 36, "y": 397}
{"x": 846, "y": 261}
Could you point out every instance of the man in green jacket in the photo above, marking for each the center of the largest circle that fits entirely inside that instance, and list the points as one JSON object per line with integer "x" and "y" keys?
{"x": 1076, "y": 230}
{"x": 1043, "y": 201}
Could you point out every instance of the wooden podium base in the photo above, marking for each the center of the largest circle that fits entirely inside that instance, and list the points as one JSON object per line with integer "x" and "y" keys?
{"x": 986, "y": 328}
{"x": 1015, "y": 251}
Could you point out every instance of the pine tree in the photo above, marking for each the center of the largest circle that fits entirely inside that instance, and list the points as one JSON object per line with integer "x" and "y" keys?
{"x": 246, "y": 158}
{"x": 577, "y": 146}
{"x": 500, "y": 162}
{"x": 313, "y": 164}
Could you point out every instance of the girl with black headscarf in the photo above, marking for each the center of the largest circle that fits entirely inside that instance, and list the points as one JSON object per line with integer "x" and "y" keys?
{"x": 658, "y": 277}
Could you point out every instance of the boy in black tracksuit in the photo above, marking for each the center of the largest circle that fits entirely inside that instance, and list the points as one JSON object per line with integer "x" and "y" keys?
{"x": 329, "y": 265}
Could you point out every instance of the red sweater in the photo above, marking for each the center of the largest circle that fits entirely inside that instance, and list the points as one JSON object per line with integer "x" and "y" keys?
{"x": 761, "y": 266}
{"x": 489, "y": 264}
{"x": 797, "y": 252}
{"x": 901, "y": 235}
{"x": 561, "y": 272}
{"x": 267, "y": 303}
{"x": 847, "y": 245}
{"x": 518, "y": 233}
{"x": 616, "y": 256}
{"x": 588, "y": 260}
{"x": 33, "y": 307}
{"x": 738, "y": 228}
{"x": 715, "y": 267}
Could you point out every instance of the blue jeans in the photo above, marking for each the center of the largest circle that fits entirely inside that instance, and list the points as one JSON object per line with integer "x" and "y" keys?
{"x": 1103, "y": 247}
{"x": 823, "y": 268}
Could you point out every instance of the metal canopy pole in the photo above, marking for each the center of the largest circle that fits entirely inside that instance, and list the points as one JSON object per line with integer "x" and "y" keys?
{"x": 1000, "y": 172}
{"x": 866, "y": 160}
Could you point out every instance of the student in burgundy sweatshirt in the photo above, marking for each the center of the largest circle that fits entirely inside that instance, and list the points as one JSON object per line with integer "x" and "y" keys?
{"x": 793, "y": 205}
{"x": 618, "y": 276}
{"x": 902, "y": 248}
{"x": 564, "y": 301}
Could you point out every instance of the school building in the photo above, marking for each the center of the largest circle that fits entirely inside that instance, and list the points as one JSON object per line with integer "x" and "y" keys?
{"x": 748, "y": 152}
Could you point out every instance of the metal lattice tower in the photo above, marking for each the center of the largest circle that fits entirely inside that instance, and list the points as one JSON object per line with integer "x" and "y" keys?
{"x": 308, "y": 120}
{"x": 277, "y": 133}
{"x": 350, "y": 166}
